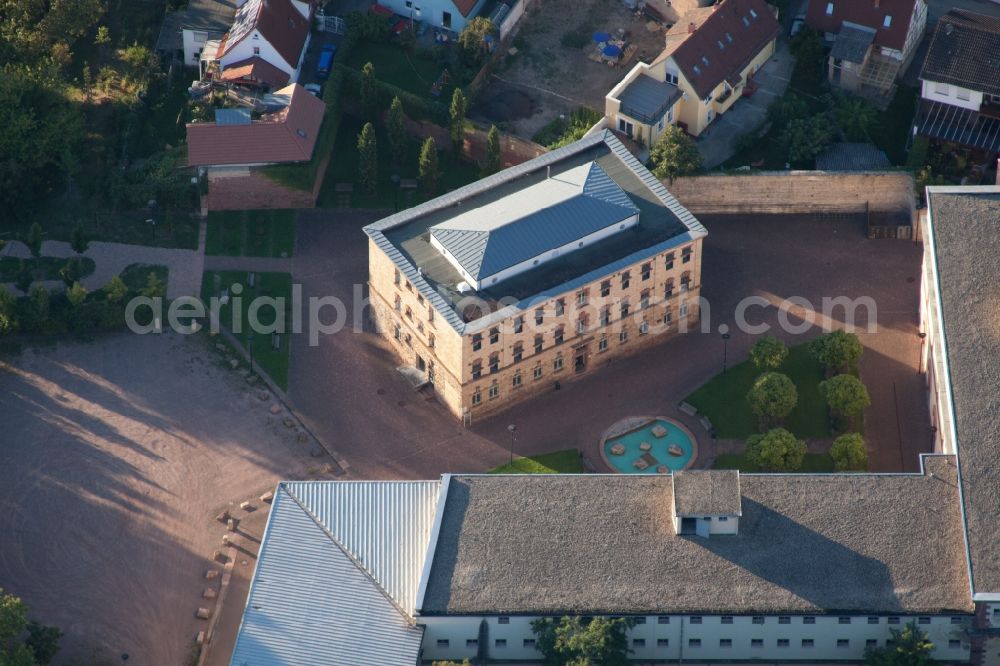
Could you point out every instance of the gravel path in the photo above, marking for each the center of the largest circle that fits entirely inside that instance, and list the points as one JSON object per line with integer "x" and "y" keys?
{"x": 185, "y": 266}
{"x": 116, "y": 457}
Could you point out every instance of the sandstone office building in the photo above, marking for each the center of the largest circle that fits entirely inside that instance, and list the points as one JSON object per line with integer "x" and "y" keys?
{"x": 525, "y": 279}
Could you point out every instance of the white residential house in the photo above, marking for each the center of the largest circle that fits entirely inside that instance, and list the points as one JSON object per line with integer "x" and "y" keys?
{"x": 271, "y": 34}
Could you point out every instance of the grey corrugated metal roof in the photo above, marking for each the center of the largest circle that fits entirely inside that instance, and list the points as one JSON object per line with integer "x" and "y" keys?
{"x": 332, "y": 557}
{"x": 647, "y": 99}
{"x": 953, "y": 123}
{"x": 652, "y": 186}
{"x": 852, "y": 157}
{"x": 542, "y": 217}
{"x": 852, "y": 43}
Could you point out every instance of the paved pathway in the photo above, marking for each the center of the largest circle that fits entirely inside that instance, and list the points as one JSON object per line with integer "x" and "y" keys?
{"x": 718, "y": 143}
{"x": 110, "y": 259}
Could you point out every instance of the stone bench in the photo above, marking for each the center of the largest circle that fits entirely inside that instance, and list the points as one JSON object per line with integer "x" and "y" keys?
{"x": 705, "y": 423}
{"x": 687, "y": 409}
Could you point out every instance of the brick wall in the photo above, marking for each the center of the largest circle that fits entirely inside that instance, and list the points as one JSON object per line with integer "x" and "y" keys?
{"x": 807, "y": 192}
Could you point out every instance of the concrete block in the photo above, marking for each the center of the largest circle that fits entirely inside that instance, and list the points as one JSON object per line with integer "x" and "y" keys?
{"x": 209, "y": 593}
{"x": 267, "y": 497}
{"x": 203, "y": 614}
{"x": 289, "y": 422}
{"x": 231, "y": 525}
{"x": 246, "y": 506}
{"x": 211, "y": 574}
{"x": 200, "y": 640}
{"x": 223, "y": 517}
{"x": 275, "y": 408}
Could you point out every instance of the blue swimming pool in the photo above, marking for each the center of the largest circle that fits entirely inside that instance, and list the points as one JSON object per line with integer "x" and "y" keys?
{"x": 672, "y": 451}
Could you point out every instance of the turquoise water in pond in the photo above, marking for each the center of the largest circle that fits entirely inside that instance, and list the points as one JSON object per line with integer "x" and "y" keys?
{"x": 632, "y": 440}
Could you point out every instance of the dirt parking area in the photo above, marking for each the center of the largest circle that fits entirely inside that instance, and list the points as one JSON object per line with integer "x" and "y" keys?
{"x": 552, "y": 72}
{"x": 117, "y": 456}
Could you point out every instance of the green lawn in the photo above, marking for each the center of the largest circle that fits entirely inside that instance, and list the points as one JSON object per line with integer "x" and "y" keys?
{"x": 560, "y": 462}
{"x": 812, "y": 463}
{"x": 277, "y": 285}
{"x": 397, "y": 67}
{"x": 344, "y": 169}
{"x": 724, "y": 398}
{"x": 251, "y": 233}
{"x": 43, "y": 268}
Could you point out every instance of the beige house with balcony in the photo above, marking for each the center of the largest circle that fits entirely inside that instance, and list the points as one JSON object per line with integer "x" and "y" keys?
{"x": 526, "y": 279}
{"x": 708, "y": 62}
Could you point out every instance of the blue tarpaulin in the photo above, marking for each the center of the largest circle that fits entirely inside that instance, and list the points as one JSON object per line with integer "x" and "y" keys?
{"x": 601, "y": 37}
{"x": 612, "y": 51}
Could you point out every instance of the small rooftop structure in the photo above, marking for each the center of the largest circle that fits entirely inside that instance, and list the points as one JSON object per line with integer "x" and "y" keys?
{"x": 647, "y": 99}
{"x": 288, "y": 135}
{"x": 852, "y": 43}
{"x": 707, "y": 493}
{"x": 516, "y": 232}
{"x": 852, "y": 157}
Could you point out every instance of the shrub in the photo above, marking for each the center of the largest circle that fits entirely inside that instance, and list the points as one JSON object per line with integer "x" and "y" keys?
{"x": 768, "y": 352}
{"x": 849, "y": 453}
{"x": 674, "y": 155}
{"x": 564, "y": 131}
{"x": 776, "y": 451}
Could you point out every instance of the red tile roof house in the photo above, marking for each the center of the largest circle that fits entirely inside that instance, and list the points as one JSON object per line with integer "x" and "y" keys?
{"x": 230, "y": 150}
{"x": 266, "y": 43}
{"x": 873, "y": 40}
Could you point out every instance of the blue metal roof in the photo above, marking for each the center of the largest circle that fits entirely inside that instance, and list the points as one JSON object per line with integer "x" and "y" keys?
{"x": 647, "y": 99}
{"x": 232, "y": 116}
{"x": 546, "y": 216}
{"x": 332, "y": 556}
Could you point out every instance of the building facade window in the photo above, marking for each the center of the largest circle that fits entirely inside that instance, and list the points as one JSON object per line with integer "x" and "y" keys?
{"x": 516, "y": 380}
{"x": 398, "y": 304}
{"x": 668, "y": 288}
{"x": 443, "y": 642}
{"x": 843, "y": 620}
{"x": 537, "y": 372}
{"x": 695, "y": 619}
{"x": 395, "y": 276}
{"x": 725, "y": 642}
{"x": 662, "y": 642}
{"x": 757, "y": 642}
{"x": 500, "y": 642}
{"x": 494, "y": 391}
{"x": 477, "y": 397}
{"x": 871, "y": 642}
{"x": 494, "y": 363}
{"x": 668, "y": 261}
{"x": 518, "y": 324}
{"x": 843, "y": 642}
{"x": 954, "y": 643}
{"x": 529, "y": 642}
{"x": 685, "y": 255}
{"x": 808, "y": 619}
{"x": 808, "y": 642}
{"x": 639, "y": 642}
{"x": 694, "y": 642}
{"x": 602, "y": 344}
{"x": 626, "y": 279}
{"x": 726, "y": 619}
{"x": 623, "y": 336}
{"x": 623, "y": 309}
{"x": 668, "y": 316}
{"x": 605, "y": 288}
{"x": 477, "y": 369}
{"x": 758, "y": 619}
{"x": 558, "y": 335}
{"x": 477, "y": 341}
{"x": 518, "y": 352}
{"x": 643, "y": 327}
{"x": 663, "y": 619}
{"x": 582, "y": 297}
{"x": 539, "y": 343}
{"x": 646, "y": 271}
{"x": 923, "y": 620}
{"x": 494, "y": 335}
{"x": 557, "y": 363}
{"x": 560, "y": 307}
{"x": 539, "y": 316}
{"x": 605, "y": 316}
{"x": 784, "y": 619}
{"x": 783, "y": 642}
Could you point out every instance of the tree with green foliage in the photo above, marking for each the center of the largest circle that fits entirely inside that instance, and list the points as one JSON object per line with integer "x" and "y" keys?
{"x": 909, "y": 646}
{"x": 396, "y": 128}
{"x": 428, "y": 166}
{"x": 472, "y": 40}
{"x": 846, "y": 395}
{"x": 25, "y": 278}
{"x": 34, "y": 240}
{"x": 805, "y": 138}
{"x": 76, "y": 295}
{"x": 674, "y": 155}
{"x": 41, "y": 644}
{"x": 492, "y": 164}
{"x": 768, "y": 352}
{"x": 776, "y": 451}
{"x": 578, "y": 641}
{"x": 786, "y": 108}
{"x": 856, "y": 117}
{"x": 79, "y": 240}
{"x": 8, "y": 312}
{"x": 456, "y": 129}
{"x": 37, "y": 310}
{"x": 103, "y": 35}
{"x": 849, "y": 453}
{"x": 72, "y": 271}
{"x": 807, "y": 46}
{"x": 367, "y": 159}
{"x": 369, "y": 92}
{"x": 155, "y": 287}
{"x": 115, "y": 290}
{"x": 772, "y": 396}
{"x": 837, "y": 350}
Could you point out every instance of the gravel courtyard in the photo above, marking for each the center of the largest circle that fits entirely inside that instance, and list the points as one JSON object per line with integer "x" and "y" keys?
{"x": 117, "y": 455}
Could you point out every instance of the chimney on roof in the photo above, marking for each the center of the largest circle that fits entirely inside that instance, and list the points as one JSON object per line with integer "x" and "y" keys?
{"x": 691, "y": 27}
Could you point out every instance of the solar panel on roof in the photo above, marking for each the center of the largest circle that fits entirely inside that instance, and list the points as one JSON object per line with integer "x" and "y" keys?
{"x": 232, "y": 116}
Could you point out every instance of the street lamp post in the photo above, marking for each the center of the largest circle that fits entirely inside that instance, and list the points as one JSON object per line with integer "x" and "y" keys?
{"x": 512, "y": 429}
{"x": 725, "y": 351}
{"x": 920, "y": 358}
